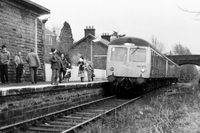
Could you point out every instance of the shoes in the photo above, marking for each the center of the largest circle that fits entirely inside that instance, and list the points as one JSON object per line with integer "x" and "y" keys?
{"x": 54, "y": 83}
{"x": 34, "y": 82}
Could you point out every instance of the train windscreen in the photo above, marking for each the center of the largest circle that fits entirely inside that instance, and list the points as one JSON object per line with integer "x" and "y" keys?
{"x": 118, "y": 54}
{"x": 137, "y": 55}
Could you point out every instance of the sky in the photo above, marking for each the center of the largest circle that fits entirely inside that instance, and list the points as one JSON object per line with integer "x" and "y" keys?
{"x": 162, "y": 19}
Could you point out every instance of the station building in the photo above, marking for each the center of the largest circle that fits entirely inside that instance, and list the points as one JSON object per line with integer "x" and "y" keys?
{"x": 92, "y": 48}
{"x": 21, "y": 30}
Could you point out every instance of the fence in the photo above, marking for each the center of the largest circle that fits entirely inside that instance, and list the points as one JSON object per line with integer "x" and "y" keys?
{"x": 99, "y": 74}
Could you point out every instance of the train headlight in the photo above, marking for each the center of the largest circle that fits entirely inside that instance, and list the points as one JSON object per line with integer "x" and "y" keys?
{"x": 112, "y": 69}
{"x": 111, "y": 78}
{"x": 142, "y": 70}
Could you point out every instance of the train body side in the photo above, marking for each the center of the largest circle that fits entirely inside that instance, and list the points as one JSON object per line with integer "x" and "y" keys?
{"x": 154, "y": 66}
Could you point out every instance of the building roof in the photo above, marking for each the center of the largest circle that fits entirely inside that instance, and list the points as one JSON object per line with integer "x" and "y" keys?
{"x": 102, "y": 41}
{"x": 40, "y": 10}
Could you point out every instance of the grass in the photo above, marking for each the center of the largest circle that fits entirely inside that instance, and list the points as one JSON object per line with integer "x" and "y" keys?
{"x": 171, "y": 112}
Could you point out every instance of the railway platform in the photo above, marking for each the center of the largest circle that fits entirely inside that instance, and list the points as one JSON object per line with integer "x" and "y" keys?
{"x": 24, "y": 101}
{"x": 27, "y": 87}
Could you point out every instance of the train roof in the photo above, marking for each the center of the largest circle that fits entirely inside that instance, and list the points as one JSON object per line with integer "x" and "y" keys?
{"x": 137, "y": 42}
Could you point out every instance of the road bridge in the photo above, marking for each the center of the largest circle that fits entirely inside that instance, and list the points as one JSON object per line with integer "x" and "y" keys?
{"x": 185, "y": 59}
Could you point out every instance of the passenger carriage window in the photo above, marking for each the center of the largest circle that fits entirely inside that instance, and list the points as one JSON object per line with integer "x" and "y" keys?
{"x": 118, "y": 54}
{"x": 137, "y": 55}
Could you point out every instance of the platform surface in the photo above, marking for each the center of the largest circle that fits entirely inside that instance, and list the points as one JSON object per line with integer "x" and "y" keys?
{"x": 20, "y": 88}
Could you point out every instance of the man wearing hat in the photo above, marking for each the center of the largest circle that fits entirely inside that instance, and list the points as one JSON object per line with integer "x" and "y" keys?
{"x": 5, "y": 60}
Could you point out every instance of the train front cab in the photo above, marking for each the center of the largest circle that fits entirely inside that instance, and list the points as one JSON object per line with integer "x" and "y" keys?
{"x": 128, "y": 65}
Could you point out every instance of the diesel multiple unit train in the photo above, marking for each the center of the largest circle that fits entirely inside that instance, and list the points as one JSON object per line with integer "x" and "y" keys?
{"x": 134, "y": 65}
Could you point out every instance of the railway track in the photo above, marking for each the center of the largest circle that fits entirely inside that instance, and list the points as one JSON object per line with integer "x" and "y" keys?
{"x": 69, "y": 120}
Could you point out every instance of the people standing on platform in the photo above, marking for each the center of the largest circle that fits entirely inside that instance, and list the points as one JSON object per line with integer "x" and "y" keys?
{"x": 81, "y": 65}
{"x": 33, "y": 62}
{"x": 90, "y": 71}
{"x": 55, "y": 66}
{"x": 5, "y": 61}
{"x": 63, "y": 67}
{"x": 19, "y": 67}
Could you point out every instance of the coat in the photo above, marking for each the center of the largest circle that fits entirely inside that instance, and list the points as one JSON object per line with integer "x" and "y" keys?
{"x": 18, "y": 61}
{"x": 81, "y": 65}
{"x": 5, "y": 57}
{"x": 55, "y": 61}
{"x": 33, "y": 59}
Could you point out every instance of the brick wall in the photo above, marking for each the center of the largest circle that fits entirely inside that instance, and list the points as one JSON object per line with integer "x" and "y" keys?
{"x": 17, "y": 25}
{"x": 84, "y": 48}
{"x": 99, "y": 62}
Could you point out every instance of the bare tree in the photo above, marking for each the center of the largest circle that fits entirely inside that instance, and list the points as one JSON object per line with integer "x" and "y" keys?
{"x": 178, "y": 49}
{"x": 195, "y": 13}
{"x": 56, "y": 29}
{"x": 116, "y": 35}
{"x": 157, "y": 44}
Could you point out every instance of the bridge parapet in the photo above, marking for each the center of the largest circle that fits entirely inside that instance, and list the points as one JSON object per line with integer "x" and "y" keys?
{"x": 185, "y": 59}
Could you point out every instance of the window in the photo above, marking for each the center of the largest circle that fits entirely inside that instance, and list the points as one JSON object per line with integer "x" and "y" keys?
{"x": 137, "y": 55}
{"x": 48, "y": 40}
{"x": 118, "y": 54}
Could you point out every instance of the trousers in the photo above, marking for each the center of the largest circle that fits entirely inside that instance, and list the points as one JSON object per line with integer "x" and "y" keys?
{"x": 33, "y": 74}
{"x": 4, "y": 73}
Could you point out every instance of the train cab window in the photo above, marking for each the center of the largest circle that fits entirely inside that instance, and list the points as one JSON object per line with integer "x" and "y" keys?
{"x": 118, "y": 54}
{"x": 137, "y": 55}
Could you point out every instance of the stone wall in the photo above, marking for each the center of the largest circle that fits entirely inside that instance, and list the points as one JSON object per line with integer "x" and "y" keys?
{"x": 17, "y": 25}
{"x": 35, "y": 102}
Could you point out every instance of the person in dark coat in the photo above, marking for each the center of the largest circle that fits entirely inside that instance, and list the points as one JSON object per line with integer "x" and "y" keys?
{"x": 64, "y": 67}
{"x": 55, "y": 66}
{"x": 5, "y": 61}
{"x": 33, "y": 62}
{"x": 19, "y": 66}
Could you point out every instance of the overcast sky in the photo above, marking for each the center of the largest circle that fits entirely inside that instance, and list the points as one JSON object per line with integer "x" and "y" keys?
{"x": 138, "y": 18}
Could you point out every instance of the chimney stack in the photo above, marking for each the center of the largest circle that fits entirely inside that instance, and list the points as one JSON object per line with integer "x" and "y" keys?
{"x": 89, "y": 29}
{"x": 106, "y": 36}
